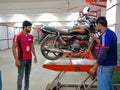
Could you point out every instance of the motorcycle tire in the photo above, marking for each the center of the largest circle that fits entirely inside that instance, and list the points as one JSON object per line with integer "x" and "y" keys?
{"x": 48, "y": 42}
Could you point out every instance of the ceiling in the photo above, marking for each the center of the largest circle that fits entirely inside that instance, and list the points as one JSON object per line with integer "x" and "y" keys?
{"x": 34, "y": 8}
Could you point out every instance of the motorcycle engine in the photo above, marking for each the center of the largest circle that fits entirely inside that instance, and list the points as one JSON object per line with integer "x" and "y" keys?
{"x": 75, "y": 47}
{"x": 79, "y": 47}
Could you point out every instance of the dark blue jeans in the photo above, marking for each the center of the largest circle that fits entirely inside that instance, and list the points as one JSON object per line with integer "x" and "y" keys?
{"x": 0, "y": 81}
{"x": 25, "y": 68}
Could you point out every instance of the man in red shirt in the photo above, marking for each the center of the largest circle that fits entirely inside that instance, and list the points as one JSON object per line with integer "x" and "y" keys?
{"x": 23, "y": 42}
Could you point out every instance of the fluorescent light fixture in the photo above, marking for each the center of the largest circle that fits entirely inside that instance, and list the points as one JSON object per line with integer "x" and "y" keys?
{"x": 18, "y": 25}
{"x": 70, "y": 24}
{"x": 19, "y": 18}
{"x": 55, "y": 24}
{"x": 1, "y": 20}
{"x": 47, "y": 14}
{"x": 73, "y": 17}
{"x": 36, "y": 24}
{"x": 47, "y": 17}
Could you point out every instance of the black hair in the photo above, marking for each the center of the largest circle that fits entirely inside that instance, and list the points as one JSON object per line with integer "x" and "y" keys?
{"x": 102, "y": 20}
{"x": 26, "y": 23}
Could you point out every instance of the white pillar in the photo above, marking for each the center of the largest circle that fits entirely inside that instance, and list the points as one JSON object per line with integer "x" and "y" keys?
{"x": 113, "y": 16}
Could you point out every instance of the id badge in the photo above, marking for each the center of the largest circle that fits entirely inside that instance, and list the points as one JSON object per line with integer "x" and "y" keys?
{"x": 27, "y": 48}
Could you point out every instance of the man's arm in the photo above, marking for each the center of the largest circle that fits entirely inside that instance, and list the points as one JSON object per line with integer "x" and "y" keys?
{"x": 95, "y": 65}
{"x": 96, "y": 39}
{"x": 14, "y": 46}
{"x": 101, "y": 58}
{"x": 33, "y": 51}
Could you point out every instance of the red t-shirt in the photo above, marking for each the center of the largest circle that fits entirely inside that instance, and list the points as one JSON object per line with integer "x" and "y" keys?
{"x": 24, "y": 45}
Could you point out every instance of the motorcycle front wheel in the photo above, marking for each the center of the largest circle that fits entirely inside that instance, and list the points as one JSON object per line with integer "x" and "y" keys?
{"x": 49, "y": 48}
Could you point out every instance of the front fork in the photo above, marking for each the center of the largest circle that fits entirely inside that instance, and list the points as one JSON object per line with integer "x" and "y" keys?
{"x": 55, "y": 39}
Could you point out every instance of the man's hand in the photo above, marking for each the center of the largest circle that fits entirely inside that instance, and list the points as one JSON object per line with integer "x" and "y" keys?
{"x": 92, "y": 35}
{"x": 33, "y": 51}
{"x": 93, "y": 69}
{"x": 35, "y": 60}
{"x": 17, "y": 63}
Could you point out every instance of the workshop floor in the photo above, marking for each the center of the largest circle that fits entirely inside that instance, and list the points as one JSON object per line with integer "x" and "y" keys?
{"x": 40, "y": 77}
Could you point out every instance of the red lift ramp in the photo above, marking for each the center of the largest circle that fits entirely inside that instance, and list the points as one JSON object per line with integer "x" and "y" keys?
{"x": 82, "y": 65}
{"x": 72, "y": 65}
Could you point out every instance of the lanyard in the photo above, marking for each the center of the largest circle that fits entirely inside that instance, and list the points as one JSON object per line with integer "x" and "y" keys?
{"x": 26, "y": 39}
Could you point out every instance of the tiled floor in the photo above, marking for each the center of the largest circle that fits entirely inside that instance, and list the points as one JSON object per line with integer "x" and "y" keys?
{"x": 40, "y": 77}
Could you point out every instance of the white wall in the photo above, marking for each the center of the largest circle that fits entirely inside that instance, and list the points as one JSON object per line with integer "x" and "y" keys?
{"x": 6, "y": 36}
{"x": 3, "y": 37}
{"x": 113, "y": 16}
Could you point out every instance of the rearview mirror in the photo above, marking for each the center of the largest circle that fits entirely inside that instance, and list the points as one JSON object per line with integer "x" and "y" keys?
{"x": 86, "y": 10}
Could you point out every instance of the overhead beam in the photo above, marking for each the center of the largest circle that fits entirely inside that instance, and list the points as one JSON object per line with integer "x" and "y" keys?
{"x": 93, "y": 2}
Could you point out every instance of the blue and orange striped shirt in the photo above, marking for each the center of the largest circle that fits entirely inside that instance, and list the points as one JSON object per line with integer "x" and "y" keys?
{"x": 108, "y": 48}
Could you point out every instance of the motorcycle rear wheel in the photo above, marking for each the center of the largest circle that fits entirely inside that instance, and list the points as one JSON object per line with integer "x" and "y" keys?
{"x": 48, "y": 44}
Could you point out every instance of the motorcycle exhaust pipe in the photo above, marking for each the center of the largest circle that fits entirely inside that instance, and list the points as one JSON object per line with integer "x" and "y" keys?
{"x": 56, "y": 50}
{"x": 51, "y": 50}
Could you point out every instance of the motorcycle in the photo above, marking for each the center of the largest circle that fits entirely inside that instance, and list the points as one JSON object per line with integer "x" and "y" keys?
{"x": 74, "y": 43}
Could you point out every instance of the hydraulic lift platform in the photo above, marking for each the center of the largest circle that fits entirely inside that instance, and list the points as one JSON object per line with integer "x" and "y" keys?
{"x": 71, "y": 65}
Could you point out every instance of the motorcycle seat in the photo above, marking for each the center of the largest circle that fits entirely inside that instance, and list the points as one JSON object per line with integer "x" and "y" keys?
{"x": 52, "y": 29}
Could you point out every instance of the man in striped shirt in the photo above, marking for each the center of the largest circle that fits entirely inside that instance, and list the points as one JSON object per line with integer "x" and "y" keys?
{"x": 107, "y": 58}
